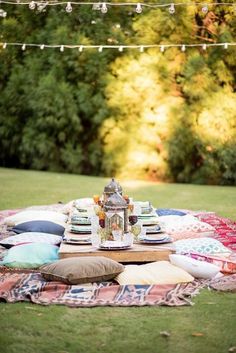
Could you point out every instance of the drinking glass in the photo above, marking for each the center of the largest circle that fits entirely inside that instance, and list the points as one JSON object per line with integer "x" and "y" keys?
{"x": 133, "y": 219}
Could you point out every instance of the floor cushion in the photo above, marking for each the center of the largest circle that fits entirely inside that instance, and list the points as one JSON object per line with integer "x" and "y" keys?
{"x": 32, "y": 215}
{"x": 76, "y": 270}
{"x": 30, "y": 255}
{"x": 202, "y": 245}
{"x": 183, "y": 227}
{"x": 227, "y": 265}
{"x": 197, "y": 269}
{"x": 160, "y": 272}
{"x": 39, "y": 226}
{"x": 169, "y": 212}
{"x": 31, "y": 237}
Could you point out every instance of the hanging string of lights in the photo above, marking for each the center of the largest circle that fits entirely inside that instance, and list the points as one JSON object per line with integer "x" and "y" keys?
{"x": 120, "y": 48}
{"x": 104, "y": 6}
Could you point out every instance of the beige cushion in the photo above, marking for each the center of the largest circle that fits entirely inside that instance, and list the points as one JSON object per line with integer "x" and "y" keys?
{"x": 160, "y": 272}
{"x": 33, "y": 215}
{"x": 76, "y": 270}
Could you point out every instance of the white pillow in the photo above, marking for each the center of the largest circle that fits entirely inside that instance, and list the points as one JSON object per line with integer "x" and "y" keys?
{"x": 84, "y": 202}
{"x": 201, "y": 245}
{"x": 31, "y": 237}
{"x": 182, "y": 227}
{"x": 198, "y": 269}
{"x": 160, "y": 272}
{"x": 33, "y": 215}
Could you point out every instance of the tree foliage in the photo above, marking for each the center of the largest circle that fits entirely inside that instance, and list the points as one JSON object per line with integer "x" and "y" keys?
{"x": 168, "y": 115}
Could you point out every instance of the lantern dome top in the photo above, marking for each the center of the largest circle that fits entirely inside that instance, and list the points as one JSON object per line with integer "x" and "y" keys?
{"x": 116, "y": 201}
{"x": 113, "y": 187}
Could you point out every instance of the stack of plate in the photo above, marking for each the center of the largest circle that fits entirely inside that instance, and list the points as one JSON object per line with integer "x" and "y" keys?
{"x": 78, "y": 220}
{"x": 77, "y": 241}
{"x": 114, "y": 245}
{"x": 155, "y": 239}
{"x": 80, "y": 229}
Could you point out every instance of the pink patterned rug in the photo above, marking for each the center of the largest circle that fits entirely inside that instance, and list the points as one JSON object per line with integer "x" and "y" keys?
{"x": 225, "y": 229}
{"x": 31, "y": 287}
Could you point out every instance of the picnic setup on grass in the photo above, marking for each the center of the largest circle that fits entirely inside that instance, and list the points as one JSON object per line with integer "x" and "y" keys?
{"x": 112, "y": 250}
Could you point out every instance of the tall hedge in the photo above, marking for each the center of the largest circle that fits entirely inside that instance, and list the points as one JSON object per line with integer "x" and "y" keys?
{"x": 169, "y": 116}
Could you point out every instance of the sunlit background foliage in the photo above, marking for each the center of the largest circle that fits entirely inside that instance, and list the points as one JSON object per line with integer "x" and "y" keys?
{"x": 164, "y": 116}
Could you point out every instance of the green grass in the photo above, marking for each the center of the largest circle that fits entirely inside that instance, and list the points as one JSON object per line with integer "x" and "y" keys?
{"x": 29, "y": 328}
{"x": 20, "y": 188}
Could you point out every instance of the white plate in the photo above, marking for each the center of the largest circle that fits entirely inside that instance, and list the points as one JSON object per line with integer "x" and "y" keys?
{"x": 77, "y": 242}
{"x": 114, "y": 245}
{"x": 126, "y": 247}
{"x": 155, "y": 242}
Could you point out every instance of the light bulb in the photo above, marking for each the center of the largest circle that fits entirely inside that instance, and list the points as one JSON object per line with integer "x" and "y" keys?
{"x": 141, "y": 49}
{"x": 32, "y": 5}
{"x": 62, "y": 48}
{"x": 162, "y": 48}
{"x": 96, "y": 7}
{"x": 138, "y": 8}
{"x": 226, "y": 46}
{"x": 4, "y": 45}
{"x": 42, "y": 46}
{"x": 104, "y": 8}
{"x": 3, "y": 13}
{"x": 42, "y": 6}
{"x": 81, "y": 48}
{"x": 100, "y": 49}
{"x": 23, "y": 47}
{"x": 205, "y": 9}
{"x": 183, "y": 48}
{"x": 68, "y": 7}
{"x": 204, "y": 46}
{"x": 120, "y": 49}
{"x": 172, "y": 9}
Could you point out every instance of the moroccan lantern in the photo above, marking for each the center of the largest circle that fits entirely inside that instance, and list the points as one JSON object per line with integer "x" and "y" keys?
{"x": 116, "y": 216}
{"x": 111, "y": 188}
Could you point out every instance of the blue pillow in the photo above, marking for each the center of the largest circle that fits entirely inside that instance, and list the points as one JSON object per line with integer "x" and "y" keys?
{"x": 39, "y": 226}
{"x": 30, "y": 255}
{"x": 169, "y": 212}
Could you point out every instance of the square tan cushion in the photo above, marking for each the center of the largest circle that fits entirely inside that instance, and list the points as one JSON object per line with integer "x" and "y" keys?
{"x": 77, "y": 270}
{"x": 160, "y": 272}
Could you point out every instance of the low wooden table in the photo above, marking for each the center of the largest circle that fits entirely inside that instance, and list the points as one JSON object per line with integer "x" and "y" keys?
{"x": 138, "y": 253}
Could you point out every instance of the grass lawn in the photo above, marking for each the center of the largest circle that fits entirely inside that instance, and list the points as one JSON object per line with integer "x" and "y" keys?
{"x": 206, "y": 327}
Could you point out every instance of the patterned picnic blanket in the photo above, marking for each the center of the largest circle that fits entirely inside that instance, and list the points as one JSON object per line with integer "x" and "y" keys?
{"x": 31, "y": 287}
{"x": 225, "y": 229}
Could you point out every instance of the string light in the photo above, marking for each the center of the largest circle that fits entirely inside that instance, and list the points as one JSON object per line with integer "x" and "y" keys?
{"x": 42, "y": 6}
{"x": 120, "y": 48}
{"x": 104, "y": 8}
{"x": 172, "y": 9}
{"x": 32, "y": 5}
{"x": 205, "y": 9}
{"x": 68, "y": 7}
{"x": 3, "y": 13}
{"x": 139, "y": 8}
